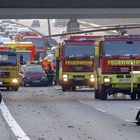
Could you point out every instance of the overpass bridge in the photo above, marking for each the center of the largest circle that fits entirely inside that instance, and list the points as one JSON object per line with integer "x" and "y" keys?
{"x": 51, "y": 13}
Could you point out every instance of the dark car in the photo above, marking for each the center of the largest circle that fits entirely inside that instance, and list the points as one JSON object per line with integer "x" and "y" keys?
{"x": 35, "y": 23}
{"x": 33, "y": 75}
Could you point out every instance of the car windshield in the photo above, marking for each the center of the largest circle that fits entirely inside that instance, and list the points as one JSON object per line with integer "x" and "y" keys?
{"x": 26, "y": 56}
{"x": 9, "y": 28}
{"x": 40, "y": 43}
{"x": 33, "y": 68}
{"x": 8, "y": 59}
{"x": 121, "y": 48}
{"x": 79, "y": 50}
{"x": 3, "y": 35}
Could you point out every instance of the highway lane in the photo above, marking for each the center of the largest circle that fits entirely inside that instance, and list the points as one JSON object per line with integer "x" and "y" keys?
{"x": 47, "y": 113}
{"x": 5, "y": 132}
{"x": 56, "y": 30}
{"x": 117, "y": 21}
{"x": 44, "y": 25}
{"x": 50, "y": 114}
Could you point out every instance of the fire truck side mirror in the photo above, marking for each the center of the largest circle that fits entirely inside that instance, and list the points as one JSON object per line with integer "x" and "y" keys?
{"x": 96, "y": 51}
{"x": 57, "y": 53}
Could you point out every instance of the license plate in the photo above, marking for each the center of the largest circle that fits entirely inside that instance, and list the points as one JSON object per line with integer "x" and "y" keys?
{"x": 78, "y": 79}
{"x": 124, "y": 80}
{"x": 1, "y": 83}
{"x": 36, "y": 81}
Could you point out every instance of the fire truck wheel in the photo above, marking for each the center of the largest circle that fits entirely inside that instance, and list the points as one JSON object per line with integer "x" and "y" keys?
{"x": 64, "y": 88}
{"x": 138, "y": 96}
{"x": 102, "y": 93}
{"x": 15, "y": 88}
{"x": 133, "y": 96}
{"x": 96, "y": 94}
{"x": 73, "y": 88}
{"x": 0, "y": 97}
{"x": 8, "y": 88}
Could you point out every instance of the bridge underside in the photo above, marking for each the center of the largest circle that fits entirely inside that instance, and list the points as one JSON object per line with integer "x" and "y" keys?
{"x": 27, "y": 13}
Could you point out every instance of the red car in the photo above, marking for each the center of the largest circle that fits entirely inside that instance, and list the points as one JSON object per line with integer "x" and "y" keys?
{"x": 33, "y": 75}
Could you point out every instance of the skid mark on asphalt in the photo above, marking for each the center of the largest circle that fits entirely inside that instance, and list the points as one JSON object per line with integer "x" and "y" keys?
{"x": 16, "y": 129}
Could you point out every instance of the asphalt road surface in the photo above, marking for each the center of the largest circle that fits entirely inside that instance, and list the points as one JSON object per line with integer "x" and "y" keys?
{"x": 47, "y": 113}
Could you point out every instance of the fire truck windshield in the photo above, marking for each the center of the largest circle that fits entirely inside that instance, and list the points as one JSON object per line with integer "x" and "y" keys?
{"x": 78, "y": 50}
{"x": 26, "y": 56}
{"x": 8, "y": 59}
{"x": 121, "y": 48}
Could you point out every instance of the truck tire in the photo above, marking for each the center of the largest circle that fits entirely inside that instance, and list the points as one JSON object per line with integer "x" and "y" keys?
{"x": 102, "y": 93}
{"x": 73, "y": 88}
{"x": 133, "y": 96}
{"x": 15, "y": 88}
{"x": 138, "y": 96}
{"x": 64, "y": 89}
{"x": 96, "y": 94}
{"x": 0, "y": 97}
{"x": 8, "y": 88}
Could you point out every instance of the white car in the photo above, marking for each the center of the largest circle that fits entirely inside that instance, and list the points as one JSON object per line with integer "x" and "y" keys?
{"x": 6, "y": 39}
{"x": 12, "y": 25}
{"x": 8, "y": 29}
{"x": 23, "y": 29}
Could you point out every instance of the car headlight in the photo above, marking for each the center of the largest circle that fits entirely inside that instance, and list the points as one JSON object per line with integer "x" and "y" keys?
{"x": 65, "y": 77}
{"x": 43, "y": 77}
{"x": 15, "y": 81}
{"x": 107, "y": 79}
{"x": 28, "y": 77}
{"x": 92, "y": 79}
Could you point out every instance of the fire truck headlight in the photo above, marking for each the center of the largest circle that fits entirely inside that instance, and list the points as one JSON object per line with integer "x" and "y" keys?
{"x": 92, "y": 79}
{"x": 14, "y": 81}
{"x": 65, "y": 77}
{"x": 107, "y": 79}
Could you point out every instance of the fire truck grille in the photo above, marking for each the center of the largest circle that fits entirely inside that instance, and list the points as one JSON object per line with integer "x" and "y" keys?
{"x": 4, "y": 74}
{"x": 78, "y": 76}
{"x": 123, "y": 76}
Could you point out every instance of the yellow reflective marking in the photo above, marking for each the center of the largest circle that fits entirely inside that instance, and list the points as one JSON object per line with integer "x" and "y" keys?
{"x": 78, "y": 62}
{"x": 123, "y": 62}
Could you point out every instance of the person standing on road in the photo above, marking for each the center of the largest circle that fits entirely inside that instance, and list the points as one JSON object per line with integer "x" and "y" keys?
{"x": 45, "y": 66}
{"x": 51, "y": 71}
{"x": 48, "y": 67}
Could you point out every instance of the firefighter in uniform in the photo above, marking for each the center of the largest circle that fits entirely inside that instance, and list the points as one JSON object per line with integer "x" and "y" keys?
{"x": 45, "y": 66}
{"x": 48, "y": 67}
{"x": 51, "y": 68}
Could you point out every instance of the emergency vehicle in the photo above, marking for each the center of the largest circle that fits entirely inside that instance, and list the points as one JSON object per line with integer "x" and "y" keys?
{"x": 117, "y": 66}
{"x": 26, "y": 49}
{"x": 76, "y": 62}
{"x": 40, "y": 44}
{"x": 9, "y": 70}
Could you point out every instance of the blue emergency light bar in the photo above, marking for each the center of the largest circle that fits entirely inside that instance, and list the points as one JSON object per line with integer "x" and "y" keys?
{"x": 68, "y": 41}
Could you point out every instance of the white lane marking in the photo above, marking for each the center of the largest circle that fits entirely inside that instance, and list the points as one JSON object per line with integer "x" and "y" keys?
{"x": 17, "y": 130}
{"x": 58, "y": 88}
{"x": 99, "y": 109}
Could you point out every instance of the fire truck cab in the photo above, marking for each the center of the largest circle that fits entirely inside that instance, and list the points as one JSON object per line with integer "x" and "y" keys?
{"x": 76, "y": 65}
{"x": 117, "y": 66}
